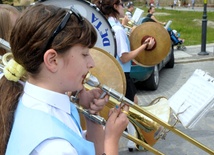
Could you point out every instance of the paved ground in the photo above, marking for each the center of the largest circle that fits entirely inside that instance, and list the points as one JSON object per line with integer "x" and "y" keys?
{"x": 170, "y": 81}
{"x": 194, "y": 54}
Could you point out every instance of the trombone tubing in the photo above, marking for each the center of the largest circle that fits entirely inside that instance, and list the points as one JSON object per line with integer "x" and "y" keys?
{"x": 141, "y": 143}
{"x": 173, "y": 129}
{"x": 121, "y": 98}
{"x": 100, "y": 120}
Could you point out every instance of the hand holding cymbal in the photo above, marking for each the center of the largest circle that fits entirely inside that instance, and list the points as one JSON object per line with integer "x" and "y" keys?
{"x": 150, "y": 42}
{"x": 153, "y": 55}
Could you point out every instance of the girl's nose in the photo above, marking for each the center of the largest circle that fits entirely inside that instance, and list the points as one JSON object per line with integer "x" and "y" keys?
{"x": 91, "y": 62}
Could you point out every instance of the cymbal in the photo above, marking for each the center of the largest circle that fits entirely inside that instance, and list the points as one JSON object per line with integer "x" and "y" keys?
{"x": 107, "y": 70}
{"x": 161, "y": 48}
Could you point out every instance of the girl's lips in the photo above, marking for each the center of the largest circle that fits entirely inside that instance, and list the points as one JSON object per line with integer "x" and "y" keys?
{"x": 84, "y": 76}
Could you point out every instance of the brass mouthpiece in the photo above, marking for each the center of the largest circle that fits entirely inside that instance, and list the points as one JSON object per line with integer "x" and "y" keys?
{"x": 91, "y": 80}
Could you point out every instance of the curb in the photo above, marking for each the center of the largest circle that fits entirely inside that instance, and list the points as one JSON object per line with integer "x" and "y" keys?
{"x": 191, "y": 54}
{"x": 193, "y": 60}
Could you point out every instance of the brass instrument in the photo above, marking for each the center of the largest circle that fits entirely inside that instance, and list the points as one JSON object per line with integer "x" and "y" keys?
{"x": 159, "y": 51}
{"x": 93, "y": 81}
{"x": 143, "y": 118}
{"x": 102, "y": 121}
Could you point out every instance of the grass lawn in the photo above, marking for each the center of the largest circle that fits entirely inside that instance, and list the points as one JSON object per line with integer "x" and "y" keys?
{"x": 187, "y": 23}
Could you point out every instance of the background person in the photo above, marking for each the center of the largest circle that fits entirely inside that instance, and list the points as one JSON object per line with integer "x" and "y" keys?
{"x": 180, "y": 41}
{"x": 127, "y": 20}
{"x": 179, "y": 3}
{"x": 152, "y": 3}
{"x": 130, "y": 9}
{"x": 51, "y": 50}
{"x": 150, "y": 15}
{"x": 113, "y": 11}
{"x": 193, "y": 3}
{"x": 175, "y": 3}
{"x": 157, "y": 3}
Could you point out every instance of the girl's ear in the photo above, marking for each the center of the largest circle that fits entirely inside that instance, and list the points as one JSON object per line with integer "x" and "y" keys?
{"x": 51, "y": 60}
{"x": 115, "y": 6}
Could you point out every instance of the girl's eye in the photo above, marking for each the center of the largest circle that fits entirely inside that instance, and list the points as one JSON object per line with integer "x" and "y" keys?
{"x": 85, "y": 55}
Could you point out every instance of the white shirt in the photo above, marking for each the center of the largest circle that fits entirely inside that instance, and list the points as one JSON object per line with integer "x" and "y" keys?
{"x": 129, "y": 15}
{"x": 1, "y": 74}
{"x": 57, "y": 105}
{"x": 120, "y": 36}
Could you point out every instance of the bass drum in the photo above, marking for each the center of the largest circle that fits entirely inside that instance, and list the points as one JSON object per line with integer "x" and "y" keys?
{"x": 106, "y": 39}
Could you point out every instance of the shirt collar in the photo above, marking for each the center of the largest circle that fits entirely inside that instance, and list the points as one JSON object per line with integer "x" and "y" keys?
{"x": 54, "y": 99}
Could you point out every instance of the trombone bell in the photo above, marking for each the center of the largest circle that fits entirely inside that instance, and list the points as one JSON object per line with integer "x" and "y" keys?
{"x": 148, "y": 130}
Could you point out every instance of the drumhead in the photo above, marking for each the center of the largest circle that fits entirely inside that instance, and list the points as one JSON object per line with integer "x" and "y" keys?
{"x": 106, "y": 39}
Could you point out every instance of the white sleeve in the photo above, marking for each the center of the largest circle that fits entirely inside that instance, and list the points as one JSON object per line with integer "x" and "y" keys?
{"x": 54, "y": 146}
{"x": 129, "y": 15}
{"x": 1, "y": 74}
{"x": 122, "y": 46}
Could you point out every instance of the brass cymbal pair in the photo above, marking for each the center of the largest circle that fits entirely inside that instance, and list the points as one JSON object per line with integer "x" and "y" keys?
{"x": 162, "y": 43}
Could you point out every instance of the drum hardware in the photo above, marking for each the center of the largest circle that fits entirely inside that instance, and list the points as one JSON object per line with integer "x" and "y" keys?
{"x": 141, "y": 116}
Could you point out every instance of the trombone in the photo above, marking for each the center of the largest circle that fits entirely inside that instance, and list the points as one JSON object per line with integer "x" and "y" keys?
{"x": 102, "y": 121}
{"x": 93, "y": 81}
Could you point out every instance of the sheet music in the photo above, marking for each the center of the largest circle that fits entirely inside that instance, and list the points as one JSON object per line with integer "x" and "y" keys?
{"x": 137, "y": 14}
{"x": 193, "y": 99}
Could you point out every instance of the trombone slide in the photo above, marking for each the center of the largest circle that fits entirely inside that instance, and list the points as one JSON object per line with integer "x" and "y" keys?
{"x": 93, "y": 81}
{"x": 102, "y": 121}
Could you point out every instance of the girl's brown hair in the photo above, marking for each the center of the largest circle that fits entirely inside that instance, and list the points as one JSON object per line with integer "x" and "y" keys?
{"x": 30, "y": 35}
{"x": 107, "y": 7}
{"x": 150, "y": 8}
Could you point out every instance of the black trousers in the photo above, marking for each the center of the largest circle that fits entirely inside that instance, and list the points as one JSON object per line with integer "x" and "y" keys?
{"x": 131, "y": 90}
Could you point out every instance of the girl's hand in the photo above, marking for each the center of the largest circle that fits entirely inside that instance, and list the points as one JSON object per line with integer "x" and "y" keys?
{"x": 116, "y": 123}
{"x": 151, "y": 42}
{"x": 91, "y": 100}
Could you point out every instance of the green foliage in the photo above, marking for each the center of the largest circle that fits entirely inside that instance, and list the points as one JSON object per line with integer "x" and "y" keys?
{"x": 187, "y": 23}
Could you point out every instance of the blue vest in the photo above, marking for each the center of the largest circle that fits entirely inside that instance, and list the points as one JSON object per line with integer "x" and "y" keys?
{"x": 31, "y": 127}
